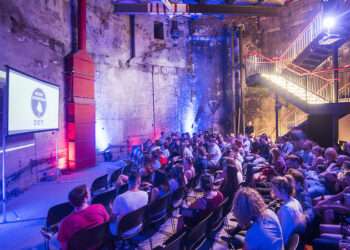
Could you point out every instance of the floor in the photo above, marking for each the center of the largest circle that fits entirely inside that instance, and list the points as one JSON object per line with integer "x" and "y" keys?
{"x": 27, "y": 212}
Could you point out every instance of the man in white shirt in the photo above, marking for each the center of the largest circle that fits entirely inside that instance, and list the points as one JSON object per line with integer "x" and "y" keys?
{"x": 214, "y": 153}
{"x": 129, "y": 201}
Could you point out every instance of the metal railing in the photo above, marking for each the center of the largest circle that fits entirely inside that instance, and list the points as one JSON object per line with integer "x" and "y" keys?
{"x": 303, "y": 40}
{"x": 312, "y": 87}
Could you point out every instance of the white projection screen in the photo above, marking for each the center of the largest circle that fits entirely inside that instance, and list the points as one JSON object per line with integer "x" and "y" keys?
{"x": 33, "y": 105}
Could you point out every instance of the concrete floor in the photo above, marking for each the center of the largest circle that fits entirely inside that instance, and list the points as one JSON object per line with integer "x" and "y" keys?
{"x": 27, "y": 212}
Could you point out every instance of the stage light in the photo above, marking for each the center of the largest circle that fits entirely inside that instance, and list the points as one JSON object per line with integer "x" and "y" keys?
{"x": 329, "y": 22}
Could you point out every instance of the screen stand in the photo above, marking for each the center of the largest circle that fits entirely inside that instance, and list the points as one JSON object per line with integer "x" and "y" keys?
{"x": 3, "y": 176}
{"x": 58, "y": 170}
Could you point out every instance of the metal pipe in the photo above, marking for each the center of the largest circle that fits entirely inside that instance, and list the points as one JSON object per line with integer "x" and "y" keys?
{"x": 277, "y": 107}
{"x": 132, "y": 36}
{"x": 153, "y": 104}
{"x": 336, "y": 74}
{"x": 82, "y": 25}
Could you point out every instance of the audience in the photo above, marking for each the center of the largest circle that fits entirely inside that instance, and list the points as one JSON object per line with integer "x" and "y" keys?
{"x": 277, "y": 189}
{"x": 84, "y": 216}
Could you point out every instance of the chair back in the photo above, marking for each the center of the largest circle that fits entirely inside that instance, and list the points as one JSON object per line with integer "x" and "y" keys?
{"x": 99, "y": 183}
{"x": 175, "y": 242}
{"x": 217, "y": 219}
{"x": 293, "y": 242}
{"x": 57, "y": 213}
{"x": 227, "y": 208}
{"x": 88, "y": 239}
{"x": 177, "y": 196}
{"x": 131, "y": 220}
{"x": 196, "y": 236}
{"x": 114, "y": 177}
{"x": 157, "y": 210}
{"x": 105, "y": 198}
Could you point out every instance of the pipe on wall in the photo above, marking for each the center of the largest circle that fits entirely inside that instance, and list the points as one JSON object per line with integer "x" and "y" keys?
{"x": 82, "y": 25}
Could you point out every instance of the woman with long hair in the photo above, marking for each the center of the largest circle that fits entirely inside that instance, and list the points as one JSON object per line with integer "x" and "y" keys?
{"x": 263, "y": 228}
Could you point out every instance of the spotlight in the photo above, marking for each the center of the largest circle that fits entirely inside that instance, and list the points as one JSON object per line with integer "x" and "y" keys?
{"x": 329, "y": 22}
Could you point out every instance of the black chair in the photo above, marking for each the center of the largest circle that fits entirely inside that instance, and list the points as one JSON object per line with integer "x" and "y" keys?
{"x": 227, "y": 209}
{"x": 130, "y": 221}
{"x": 217, "y": 219}
{"x": 175, "y": 203}
{"x": 99, "y": 184}
{"x": 54, "y": 216}
{"x": 114, "y": 177}
{"x": 156, "y": 214}
{"x": 105, "y": 198}
{"x": 94, "y": 238}
{"x": 196, "y": 236}
{"x": 293, "y": 242}
{"x": 175, "y": 242}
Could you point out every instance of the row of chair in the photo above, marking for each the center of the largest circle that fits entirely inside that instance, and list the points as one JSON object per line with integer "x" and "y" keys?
{"x": 148, "y": 217}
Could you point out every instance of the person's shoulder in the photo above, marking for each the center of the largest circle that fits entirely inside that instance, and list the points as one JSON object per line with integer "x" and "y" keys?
{"x": 97, "y": 207}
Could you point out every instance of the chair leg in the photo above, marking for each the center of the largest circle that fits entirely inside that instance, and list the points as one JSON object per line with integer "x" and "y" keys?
{"x": 173, "y": 224}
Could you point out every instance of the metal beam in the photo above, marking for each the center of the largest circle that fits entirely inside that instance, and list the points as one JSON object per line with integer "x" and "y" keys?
{"x": 161, "y": 9}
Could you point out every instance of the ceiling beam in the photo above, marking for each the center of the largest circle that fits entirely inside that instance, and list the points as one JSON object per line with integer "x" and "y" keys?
{"x": 188, "y": 9}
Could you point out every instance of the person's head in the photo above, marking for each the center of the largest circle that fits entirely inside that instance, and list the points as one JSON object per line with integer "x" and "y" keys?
{"x": 298, "y": 177}
{"x": 330, "y": 154}
{"x": 177, "y": 173}
{"x": 79, "y": 196}
{"x": 275, "y": 152}
{"x": 293, "y": 161}
{"x": 307, "y": 146}
{"x": 134, "y": 180}
{"x": 160, "y": 179}
{"x": 248, "y": 205}
{"x": 283, "y": 187}
{"x": 317, "y": 151}
{"x": 250, "y": 123}
{"x": 345, "y": 179}
{"x": 207, "y": 182}
{"x": 347, "y": 147}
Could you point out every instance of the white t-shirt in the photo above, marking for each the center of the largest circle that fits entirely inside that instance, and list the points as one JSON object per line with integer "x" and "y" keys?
{"x": 215, "y": 153}
{"x": 126, "y": 203}
{"x": 291, "y": 218}
{"x": 265, "y": 233}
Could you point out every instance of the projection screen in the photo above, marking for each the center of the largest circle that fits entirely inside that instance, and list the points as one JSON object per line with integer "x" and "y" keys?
{"x": 33, "y": 105}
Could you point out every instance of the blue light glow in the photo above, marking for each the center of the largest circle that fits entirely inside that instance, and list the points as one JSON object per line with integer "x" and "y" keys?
{"x": 102, "y": 141}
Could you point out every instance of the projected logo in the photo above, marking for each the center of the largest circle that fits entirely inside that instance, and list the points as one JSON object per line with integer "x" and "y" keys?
{"x": 38, "y": 102}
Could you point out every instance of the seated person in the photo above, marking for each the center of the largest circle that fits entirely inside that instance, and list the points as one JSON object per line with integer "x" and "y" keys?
{"x": 84, "y": 216}
{"x": 160, "y": 185}
{"x": 302, "y": 194}
{"x": 290, "y": 214}
{"x": 339, "y": 203}
{"x": 177, "y": 178}
{"x": 263, "y": 228}
{"x": 214, "y": 153}
{"x": 129, "y": 201}
{"x": 203, "y": 206}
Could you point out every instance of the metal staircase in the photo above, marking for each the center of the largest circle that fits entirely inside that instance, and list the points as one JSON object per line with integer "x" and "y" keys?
{"x": 291, "y": 71}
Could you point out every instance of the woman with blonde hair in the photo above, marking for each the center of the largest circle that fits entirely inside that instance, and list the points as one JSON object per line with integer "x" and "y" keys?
{"x": 263, "y": 228}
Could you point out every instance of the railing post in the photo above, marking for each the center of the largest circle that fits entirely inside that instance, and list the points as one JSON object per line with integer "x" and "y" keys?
{"x": 336, "y": 74}
{"x": 306, "y": 88}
